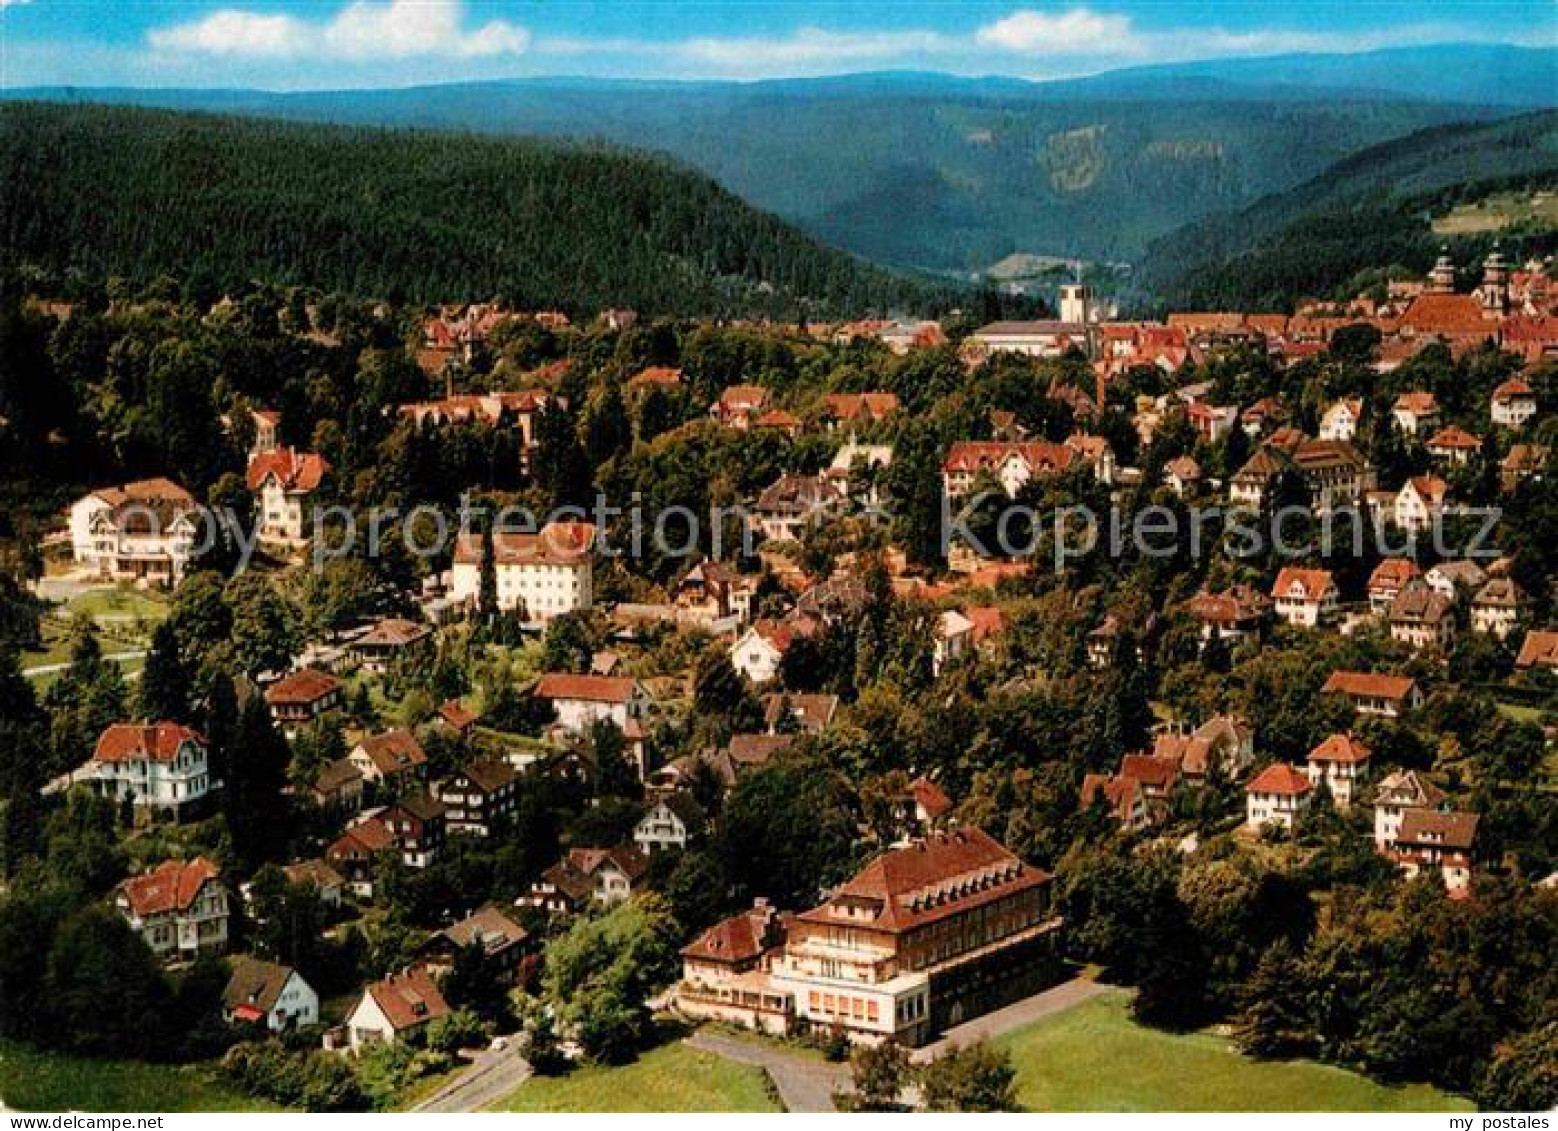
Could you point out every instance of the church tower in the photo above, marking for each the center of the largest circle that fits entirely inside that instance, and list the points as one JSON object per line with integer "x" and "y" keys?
{"x": 1493, "y": 294}
{"x": 1441, "y": 280}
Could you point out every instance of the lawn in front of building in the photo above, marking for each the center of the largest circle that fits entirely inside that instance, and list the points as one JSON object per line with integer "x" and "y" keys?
{"x": 673, "y": 1077}
{"x": 34, "y": 1080}
{"x": 1096, "y": 1058}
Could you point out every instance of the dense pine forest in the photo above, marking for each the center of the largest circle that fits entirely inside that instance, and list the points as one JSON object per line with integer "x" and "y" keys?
{"x": 404, "y": 216}
{"x": 1370, "y": 210}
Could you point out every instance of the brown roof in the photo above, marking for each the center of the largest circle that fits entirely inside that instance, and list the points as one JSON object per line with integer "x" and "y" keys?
{"x": 301, "y": 687}
{"x": 741, "y": 938}
{"x": 1418, "y": 404}
{"x": 930, "y": 879}
{"x": 394, "y": 751}
{"x": 1150, "y": 770}
{"x": 457, "y": 715}
{"x": 394, "y": 632}
{"x": 489, "y": 775}
{"x": 589, "y": 688}
{"x": 295, "y": 471}
{"x": 1433, "y": 827}
{"x": 146, "y": 492}
{"x": 335, "y": 776}
{"x": 363, "y": 839}
{"x": 1279, "y": 778}
{"x": 748, "y": 750}
{"x": 983, "y": 455}
{"x": 1539, "y": 649}
{"x": 131, "y": 742}
{"x": 556, "y": 543}
{"x": 313, "y": 872}
{"x": 1342, "y": 748}
{"x": 627, "y": 859}
{"x": 1312, "y": 583}
{"x": 1393, "y": 573}
{"x": 930, "y": 797}
{"x": 1420, "y": 606}
{"x": 488, "y": 926}
{"x": 1432, "y": 313}
{"x": 812, "y": 710}
{"x": 1513, "y": 389}
{"x": 409, "y": 999}
{"x": 173, "y": 885}
{"x": 1121, "y": 792}
{"x": 1409, "y": 788}
{"x": 1370, "y": 684}
{"x": 255, "y": 983}
{"x": 1454, "y": 439}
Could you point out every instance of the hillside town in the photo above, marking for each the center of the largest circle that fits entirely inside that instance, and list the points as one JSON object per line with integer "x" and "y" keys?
{"x": 830, "y": 726}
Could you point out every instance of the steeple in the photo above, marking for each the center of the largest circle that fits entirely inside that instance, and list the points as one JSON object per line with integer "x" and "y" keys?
{"x": 1441, "y": 280}
{"x": 1493, "y": 294}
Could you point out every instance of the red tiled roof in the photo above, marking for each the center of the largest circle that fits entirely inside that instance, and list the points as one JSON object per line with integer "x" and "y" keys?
{"x": 147, "y": 491}
{"x": 741, "y": 938}
{"x": 1456, "y": 439}
{"x": 296, "y": 471}
{"x": 1446, "y": 314}
{"x": 394, "y": 751}
{"x": 942, "y": 875}
{"x": 1312, "y": 583}
{"x": 131, "y": 742}
{"x": 1150, "y": 770}
{"x": 1392, "y": 573}
{"x": 301, "y": 687}
{"x": 930, "y": 797}
{"x": 454, "y": 713}
{"x": 987, "y": 455}
{"x": 408, "y": 1000}
{"x": 1514, "y": 388}
{"x": 1280, "y": 778}
{"x": 1342, "y": 748}
{"x": 556, "y": 543}
{"x": 1370, "y": 684}
{"x": 1418, "y": 404}
{"x": 589, "y": 688}
{"x": 173, "y": 885}
{"x": 1539, "y": 649}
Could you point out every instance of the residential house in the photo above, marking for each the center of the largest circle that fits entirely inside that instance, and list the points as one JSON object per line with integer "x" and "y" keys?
{"x": 1513, "y": 403}
{"x": 1011, "y": 464}
{"x": 951, "y": 639}
{"x": 1453, "y": 577}
{"x": 857, "y": 410}
{"x": 1341, "y": 419}
{"x": 1400, "y": 793}
{"x": 458, "y": 718}
{"x": 337, "y": 786}
{"x": 673, "y": 820}
{"x": 393, "y": 758}
{"x": 1431, "y": 839}
{"x": 806, "y": 713}
{"x": 922, "y": 810}
{"x": 1454, "y": 446}
{"x": 394, "y": 1007}
{"x": 787, "y": 424}
{"x": 794, "y": 503}
{"x": 1538, "y": 650}
{"x": 858, "y": 469}
{"x": 544, "y": 573}
{"x": 1340, "y": 761}
{"x": 1389, "y": 579}
{"x": 160, "y": 768}
{"x": 724, "y": 972}
{"x": 1373, "y": 694}
{"x": 1276, "y": 796}
{"x": 605, "y": 876}
{"x": 1421, "y": 618}
{"x": 1305, "y": 597}
{"x": 1496, "y": 608}
{"x": 502, "y": 941}
{"x": 328, "y": 885}
{"x": 1524, "y": 461}
{"x": 1224, "y": 744}
{"x": 1416, "y": 414}
{"x": 759, "y": 651}
{"x": 583, "y": 700}
{"x": 1123, "y": 798}
{"x": 416, "y": 825}
{"x": 282, "y": 482}
{"x": 298, "y": 699}
{"x": 739, "y": 405}
{"x": 389, "y": 639}
{"x": 1233, "y": 615}
{"x": 1183, "y": 475}
{"x": 269, "y": 995}
{"x": 1420, "y": 503}
{"x": 179, "y": 908}
{"x": 479, "y": 799}
{"x": 143, "y": 531}
{"x": 354, "y": 854}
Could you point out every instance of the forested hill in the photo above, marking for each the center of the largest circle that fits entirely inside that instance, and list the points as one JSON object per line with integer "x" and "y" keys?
{"x": 1370, "y": 210}
{"x": 404, "y": 215}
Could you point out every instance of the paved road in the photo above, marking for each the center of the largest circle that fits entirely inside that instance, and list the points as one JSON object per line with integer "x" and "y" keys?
{"x": 1055, "y": 1000}
{"x": 492, "y": 1076}
{"x": 804, "y": 1083}
{"x": 112, "y": 657}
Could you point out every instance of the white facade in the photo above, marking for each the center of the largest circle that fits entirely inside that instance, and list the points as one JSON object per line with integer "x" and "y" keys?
{"x": 756, "y": 657}
{"x": 150, "y": 783}
{"x": 547, "y": 573}
{"x": 1274, "y": 809}
{"x": 1340, "y": 421}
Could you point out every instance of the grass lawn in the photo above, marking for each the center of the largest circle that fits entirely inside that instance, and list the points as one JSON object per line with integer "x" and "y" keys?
{"x": 118, "y": 605}
{"x": 1095, "y": 1058}
{"x": 672, "y": 1077}
{"x": 31, "y": 1080}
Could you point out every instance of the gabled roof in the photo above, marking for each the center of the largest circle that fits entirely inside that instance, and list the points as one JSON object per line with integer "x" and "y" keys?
{"x": 394, "y": 632}
{"x": 256, "y": 984}
{"x": 1420, "y": 606}
{"x": 1311, "y": 584}
{"x": 930, "y": 797}
{"x": 173, "y": 885}
{"x": 1418, "y": 404}
{"x": 974, "y": 456}
{"x": 1539, "y": 649}
{"x": 1159, "y": 773}
{"x": 394, "y": 751}
{"x": 488, "y": 926}
{"x": 155, "y": 742}
{"x": 363, "y": 839}
{"x": 743, "y": 937}
{"x": 1370, "y": 684}
{"x": 488, "y": 775}
{"x": 1346, "y": 749}
{"x": 930, "y": 879}
{"x": 1515, "y": 388}
{"x": 1499, "y": 593}
{"x": 1430, "y": 488}
{"x": 295, "y": 471}
{"x": 624, "y": 858}
{"x": 1455, "y": 439}
{"x": 1281, "y": 779}
{"x": 301, "y": 688}
{"x": 409, "y": 999}
{"x": 556, "y": 543}
{"x": 1431, "y": 313}
{"x": 1409, "y": 789}
{"x": 586, "y": 688}
{"x": 1438, "y": 829}
{"x": 1392, "y": 574}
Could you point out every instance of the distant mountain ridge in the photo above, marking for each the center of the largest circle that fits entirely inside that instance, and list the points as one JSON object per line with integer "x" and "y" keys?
{"x": 952, "y": 174}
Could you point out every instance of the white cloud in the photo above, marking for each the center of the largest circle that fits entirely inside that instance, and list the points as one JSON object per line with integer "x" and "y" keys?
{"x": 809, "y": 46}
{"x": 364, "y": 30}
{"x": 1074, "y": 31}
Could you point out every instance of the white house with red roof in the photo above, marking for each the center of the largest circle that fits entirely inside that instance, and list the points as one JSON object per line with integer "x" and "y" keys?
{"x": 394, "y": 1007}
{"x": 282, "y": 481}
{"x": 1371, "y": 693}
{"x": 1276, "y": 796}
{"x": 179, "y": 908}
{"x": 1454, "y": 445}
{"x": 1341, "y": 419}
{"x": 160, "y": 768}
{"x": 759, "y": 651}
{"x": 1420, "y": 502}
{"x": 141, "y": 531}
{"x": 1415, "y": 413}
{"x": 582, "y": 700}
{"x": 1305, "y": 597}
{"x": 1513, "y": 403}
{"x": 546, "y": 573}
{"x": 1012, "y": 464}
{"x": 1340, "y": 761}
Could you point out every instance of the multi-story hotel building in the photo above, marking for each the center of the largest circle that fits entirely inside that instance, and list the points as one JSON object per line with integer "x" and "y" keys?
{"x": 925, "y": 937}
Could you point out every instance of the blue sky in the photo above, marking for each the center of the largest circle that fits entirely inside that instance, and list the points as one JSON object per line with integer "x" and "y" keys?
{"x": 301, "y": 44}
